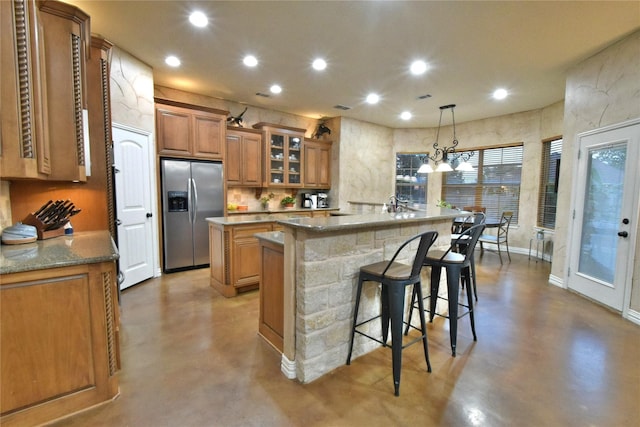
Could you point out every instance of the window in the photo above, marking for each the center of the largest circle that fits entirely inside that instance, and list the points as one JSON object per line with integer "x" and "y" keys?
{"x": 494, "y": 183}
{"x": 409, "y": 185}
{"x": 548, "y": 198}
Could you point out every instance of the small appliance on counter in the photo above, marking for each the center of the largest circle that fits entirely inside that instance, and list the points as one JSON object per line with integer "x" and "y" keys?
{"x": 323, "y": 200}
{"x": 307, "y": 202}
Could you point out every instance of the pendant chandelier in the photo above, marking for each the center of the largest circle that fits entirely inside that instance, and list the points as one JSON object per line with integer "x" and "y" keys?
{"x": 444, "y": 156}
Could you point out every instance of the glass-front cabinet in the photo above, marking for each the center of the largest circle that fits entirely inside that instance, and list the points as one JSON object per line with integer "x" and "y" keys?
{"x": 283, "y": 155}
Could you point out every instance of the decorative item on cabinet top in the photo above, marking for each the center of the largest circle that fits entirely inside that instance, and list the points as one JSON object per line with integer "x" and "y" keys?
{"x": 236, "y": 121}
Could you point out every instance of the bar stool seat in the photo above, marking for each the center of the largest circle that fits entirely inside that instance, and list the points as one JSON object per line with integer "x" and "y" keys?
{"x": 394, "y": 278}
{"x": 458, "y": 269}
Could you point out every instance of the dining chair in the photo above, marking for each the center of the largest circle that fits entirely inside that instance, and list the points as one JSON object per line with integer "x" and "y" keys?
{"x": 501, "y": 237}
{"x": 395, "y": 277}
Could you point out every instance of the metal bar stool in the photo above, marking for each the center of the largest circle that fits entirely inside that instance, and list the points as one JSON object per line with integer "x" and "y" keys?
{"x": 458, "y": 267}
{"x": 395, "y": 277}
{"x": 473, "y": 219}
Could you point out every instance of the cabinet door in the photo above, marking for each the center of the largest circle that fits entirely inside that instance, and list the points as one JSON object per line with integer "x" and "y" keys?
{"x": 24, "y": 143}
{"x": 276, "y": 159}
{"x": 324, "y": 167}
{"x": 64, "y": 29}
{"x": 311, "y": 166}
{"x": 233, "y": 160}
{"x": 173, "y": 131}
{"x": 317, "y": 164}
{"x": 246, "y": 254}
{"x": 207, "y": 136}
{"x": 252, "y": 160}
{"x": 294, "y": 161}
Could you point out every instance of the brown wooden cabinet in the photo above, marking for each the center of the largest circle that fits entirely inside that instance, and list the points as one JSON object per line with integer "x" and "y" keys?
{"x": 24, "y": 142}
{"x": 234, "y": 254}
{"x": 185, "y": 130}
{"x": 271, "y": 324}
{"x": 65, "y": 40}
{"x": 317, "y": 164}
{"x": 60, "y": 344}
{"x": 283, "y": 155}
{"x": 243, "y": 158}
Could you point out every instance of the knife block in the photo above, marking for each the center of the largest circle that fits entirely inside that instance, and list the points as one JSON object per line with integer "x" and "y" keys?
{"x": 40, "y": 228}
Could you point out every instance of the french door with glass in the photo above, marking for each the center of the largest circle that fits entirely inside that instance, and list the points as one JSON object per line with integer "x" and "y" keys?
{"x": 605, "y": 214}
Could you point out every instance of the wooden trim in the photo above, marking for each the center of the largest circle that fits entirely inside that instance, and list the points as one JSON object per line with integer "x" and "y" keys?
{"x": 261, "y": 125}
{"x": 173, "y": 103}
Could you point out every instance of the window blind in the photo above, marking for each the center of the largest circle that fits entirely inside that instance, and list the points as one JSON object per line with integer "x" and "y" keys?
{"x": 548, "y": 195}
{"x": 494, "y": 183}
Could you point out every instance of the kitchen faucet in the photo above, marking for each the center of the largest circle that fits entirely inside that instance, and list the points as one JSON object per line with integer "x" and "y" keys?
{"x": 396, "y": 204}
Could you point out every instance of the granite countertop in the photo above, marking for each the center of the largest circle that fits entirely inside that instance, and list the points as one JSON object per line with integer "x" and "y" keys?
{"x": 270, "y": 216}
{"x": 86, "y": 247}
{"x": 334, "y": 223}
{"x": 276, "y": 237}
{"x": 274, "y": 211}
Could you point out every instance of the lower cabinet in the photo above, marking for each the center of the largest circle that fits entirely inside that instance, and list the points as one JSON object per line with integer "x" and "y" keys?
{"x": 271, "y": 325}
{"x": 234, "y": 257}
{"x": 58, "y": 342}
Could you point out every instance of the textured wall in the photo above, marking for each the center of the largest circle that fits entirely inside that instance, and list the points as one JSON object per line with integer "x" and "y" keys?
{"x": 366, "y": 163}
{"x": 601, "y": 91}
{"x": 131, "y": 92}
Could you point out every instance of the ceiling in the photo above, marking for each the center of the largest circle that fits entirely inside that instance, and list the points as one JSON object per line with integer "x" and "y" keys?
{"x": 472, "y": 48}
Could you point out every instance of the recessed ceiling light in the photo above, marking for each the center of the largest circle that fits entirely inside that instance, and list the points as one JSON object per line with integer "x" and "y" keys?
{"x": 418, "y": 67}
{"x": 198, "y": 19}
{"x": 500, "y": 93}
{"x": 406, "y": 115}
{"x": 172, "y": 61}
{"x": 319, "y": 64}
{"x": 275, "y": 89}
{"x": 373, "y": 98}
{"x": 250, "y": 61}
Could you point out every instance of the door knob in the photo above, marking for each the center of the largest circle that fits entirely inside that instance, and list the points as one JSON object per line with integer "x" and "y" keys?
{"x": 623, "y": 234}
{"x": 149, "y": 214}
{"x": 625, "y": 221}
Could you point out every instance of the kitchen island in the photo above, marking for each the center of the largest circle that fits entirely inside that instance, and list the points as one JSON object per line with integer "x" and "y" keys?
{"x": 59, "y": 338}
{"x": 322, "y": 258}
{"x": 234, "y": 249}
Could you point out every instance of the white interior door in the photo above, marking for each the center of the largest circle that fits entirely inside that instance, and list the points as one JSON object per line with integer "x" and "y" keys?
{"x": 606, "y": 214}
{"x": 134, "y": 208}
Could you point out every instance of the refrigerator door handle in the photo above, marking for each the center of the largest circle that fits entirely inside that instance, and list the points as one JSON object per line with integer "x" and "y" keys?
{"x": 195, "y": 199}
{"x": 190, "y": 198}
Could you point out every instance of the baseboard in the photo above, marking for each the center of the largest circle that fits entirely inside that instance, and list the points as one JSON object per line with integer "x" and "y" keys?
{"x": 557, "y": 281}
{"x": 633, "y": 316}
{"x": 288, "y": 367}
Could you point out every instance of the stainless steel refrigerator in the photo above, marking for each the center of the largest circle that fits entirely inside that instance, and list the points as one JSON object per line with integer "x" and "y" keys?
{"x": 192, "y": 190}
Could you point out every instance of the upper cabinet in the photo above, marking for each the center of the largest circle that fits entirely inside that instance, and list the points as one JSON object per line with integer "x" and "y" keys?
{"x": 43, "y": 90}
{"x": 24, "y": 143}
{"x": 65, "y": 40}
{"x": 283, "y": 155}
{"x": 184, "y": 130}
{"x": 317, "y": 164}
{"x": 243, "y": 158}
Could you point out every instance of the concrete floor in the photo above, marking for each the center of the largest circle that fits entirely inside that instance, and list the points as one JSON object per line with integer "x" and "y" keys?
{"x": 544, "y": 357}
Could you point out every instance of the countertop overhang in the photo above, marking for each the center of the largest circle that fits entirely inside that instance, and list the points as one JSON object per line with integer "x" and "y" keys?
{"x": 275, "y": 237}
{"x": 87, "y": 247}
{"x": 335, "y": 223}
